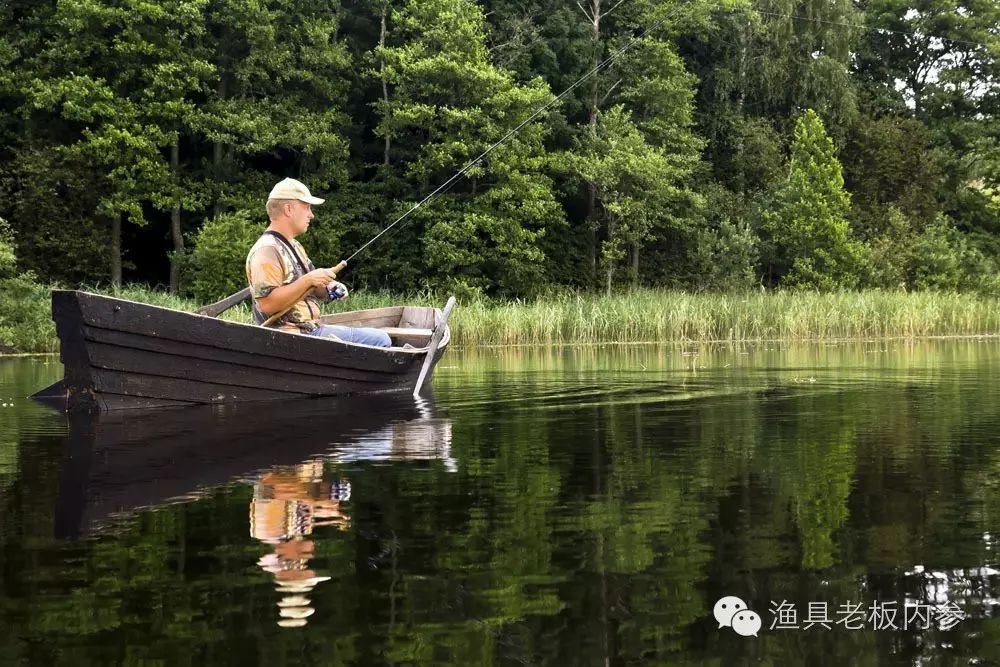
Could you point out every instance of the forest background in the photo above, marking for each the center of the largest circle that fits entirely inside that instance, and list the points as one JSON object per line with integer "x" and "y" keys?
{"x": 792, "y": 144}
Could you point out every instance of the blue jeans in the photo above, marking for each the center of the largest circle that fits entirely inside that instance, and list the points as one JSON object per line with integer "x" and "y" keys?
{"x": 363, "y": 335}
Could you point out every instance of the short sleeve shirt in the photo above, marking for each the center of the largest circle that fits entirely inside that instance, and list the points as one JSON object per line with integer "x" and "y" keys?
{"x": 271, "y": 265}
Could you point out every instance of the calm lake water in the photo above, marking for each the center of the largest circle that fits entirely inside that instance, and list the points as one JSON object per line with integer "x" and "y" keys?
{"x": 575, "y": 506}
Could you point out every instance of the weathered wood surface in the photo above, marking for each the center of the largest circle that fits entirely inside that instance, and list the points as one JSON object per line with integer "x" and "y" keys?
{"x": 119, "y": 354}
{"x": 436, "y": 339}
{"x": 415, "y": 337}
{"x": 373, "y": 317}
{"x": 255, "y": 361}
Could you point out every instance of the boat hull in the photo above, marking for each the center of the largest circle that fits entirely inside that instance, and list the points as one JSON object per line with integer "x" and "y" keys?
{"x": 120, "y": 354}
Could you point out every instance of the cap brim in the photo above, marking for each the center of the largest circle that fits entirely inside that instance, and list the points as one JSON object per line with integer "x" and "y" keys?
{"x": 315, "y": 201}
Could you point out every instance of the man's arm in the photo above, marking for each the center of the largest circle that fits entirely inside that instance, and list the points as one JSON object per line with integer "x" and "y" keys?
{"x": 266, "y": 274}
{"x": 286, "y": 296}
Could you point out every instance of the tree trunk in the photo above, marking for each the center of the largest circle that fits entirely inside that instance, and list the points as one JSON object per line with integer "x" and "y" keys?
{"x": 116, "y": 249}
{"x": 635, "y": 265}
{"x": 740, "y": 101}
{"x": 592, "y": 224}
{"x": 609, "y": 265}
{"x": 175, "y": 218}
{"x": 385, "y": 84}
{"x": 217, "y": 153}
{"x": 216, "y": 170}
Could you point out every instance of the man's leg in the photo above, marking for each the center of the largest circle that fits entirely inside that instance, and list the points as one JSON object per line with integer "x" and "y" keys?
{"x": 363, "y": 335}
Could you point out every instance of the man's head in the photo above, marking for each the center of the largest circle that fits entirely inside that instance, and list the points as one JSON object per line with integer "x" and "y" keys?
{"x": 289, "y": 206}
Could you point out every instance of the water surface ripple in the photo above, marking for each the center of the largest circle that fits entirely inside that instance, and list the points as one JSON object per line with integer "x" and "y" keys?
{"x": 557, "y": 506}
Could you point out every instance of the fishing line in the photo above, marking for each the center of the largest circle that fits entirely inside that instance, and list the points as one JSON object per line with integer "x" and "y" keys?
{"x": 444, "y": 187}
{"x": 471, "y": 163}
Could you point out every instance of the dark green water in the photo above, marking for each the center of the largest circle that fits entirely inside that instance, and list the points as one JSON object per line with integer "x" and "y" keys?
{"x": 585, "y": 506}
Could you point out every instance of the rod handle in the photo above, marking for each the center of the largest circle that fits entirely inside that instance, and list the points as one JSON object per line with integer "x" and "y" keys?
{"x": 337, "y": 269}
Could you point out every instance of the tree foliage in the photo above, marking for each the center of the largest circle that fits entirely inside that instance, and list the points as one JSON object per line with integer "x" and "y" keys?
{"x": 806, "y": 227}
{"x": 125, "y": 127}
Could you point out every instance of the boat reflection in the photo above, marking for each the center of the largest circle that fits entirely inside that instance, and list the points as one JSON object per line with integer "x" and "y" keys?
{"x": 297, "y": 457}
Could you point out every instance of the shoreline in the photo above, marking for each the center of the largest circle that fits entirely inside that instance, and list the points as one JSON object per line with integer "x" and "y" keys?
{"x": 638, "y": 317}
{"x": 672, "y": 343}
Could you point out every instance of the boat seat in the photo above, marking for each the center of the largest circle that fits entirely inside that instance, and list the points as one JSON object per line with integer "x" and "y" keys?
{"x": 402, "y": 335}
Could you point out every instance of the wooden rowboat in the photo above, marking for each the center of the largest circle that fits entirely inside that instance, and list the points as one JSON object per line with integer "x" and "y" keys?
{"x": 122, "y": 354}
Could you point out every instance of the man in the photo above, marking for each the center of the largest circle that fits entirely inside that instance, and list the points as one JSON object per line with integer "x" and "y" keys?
{"x": 282, "y": 277}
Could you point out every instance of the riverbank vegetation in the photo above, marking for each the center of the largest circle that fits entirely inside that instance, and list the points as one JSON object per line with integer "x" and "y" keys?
{"x": 792, "y": 144}
{"x": 640, "y": 316}
{"x": 749, "y": 169}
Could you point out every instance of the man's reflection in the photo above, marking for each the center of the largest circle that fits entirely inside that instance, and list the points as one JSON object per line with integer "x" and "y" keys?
{"x": 288, "y": 502}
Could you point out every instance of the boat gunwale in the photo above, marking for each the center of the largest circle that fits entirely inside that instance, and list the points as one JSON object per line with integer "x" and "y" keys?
{"x": 415, "y": 351}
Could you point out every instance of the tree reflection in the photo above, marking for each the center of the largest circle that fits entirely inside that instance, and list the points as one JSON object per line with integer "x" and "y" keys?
{"x": 546, "y": 519}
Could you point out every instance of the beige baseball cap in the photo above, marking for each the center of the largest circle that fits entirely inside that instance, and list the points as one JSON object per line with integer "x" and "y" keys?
{"x": 292, "y": 189}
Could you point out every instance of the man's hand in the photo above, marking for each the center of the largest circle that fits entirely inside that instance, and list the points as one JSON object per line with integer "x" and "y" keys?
{"x": 339, "y": 288}
{"x": 284, "y": 297}
{"x": 318, "y": 277}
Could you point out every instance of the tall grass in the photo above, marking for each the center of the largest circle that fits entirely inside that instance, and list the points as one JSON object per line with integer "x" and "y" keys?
{"x": 648, "y": 316}
{"x": 654, "y": 315}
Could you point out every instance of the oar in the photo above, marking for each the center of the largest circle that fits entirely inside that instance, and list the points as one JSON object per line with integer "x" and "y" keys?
{"x": 433, "y": 346}
{"x": 219, "y": 307}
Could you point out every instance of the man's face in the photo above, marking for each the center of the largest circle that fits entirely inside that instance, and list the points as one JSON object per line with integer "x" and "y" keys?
{"x": 300, "y": 214}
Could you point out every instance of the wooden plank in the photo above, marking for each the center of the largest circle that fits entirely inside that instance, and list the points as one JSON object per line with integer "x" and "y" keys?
{"x": 439, "y": 333}
{"x": 400, "y": 331}
{"x": 68, "y": 316}
{"x": 373, "y": 317}
{"x": 155, "y": 386}
{"x": 415, "y": 337}
{"x": 121, "y": 315}
{"x": 263, "y": 363}
{"x": 414, "y": 317}
{"x": 376, "y": 322}
{"x": 220, "y": 373}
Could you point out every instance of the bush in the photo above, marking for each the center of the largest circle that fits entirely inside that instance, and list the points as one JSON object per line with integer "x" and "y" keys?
{"x": 938, "y": 257}
{"x": 728, "y": 256}
{"x": 25, "y": 311}
{"x": 26, "y": 315}
{"x": 8, "y": 260}
{"x": 215, "y": 267}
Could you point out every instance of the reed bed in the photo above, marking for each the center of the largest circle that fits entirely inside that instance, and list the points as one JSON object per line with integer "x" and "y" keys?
{"x": 644, "y": 316}
{"x": 655, "y": 315}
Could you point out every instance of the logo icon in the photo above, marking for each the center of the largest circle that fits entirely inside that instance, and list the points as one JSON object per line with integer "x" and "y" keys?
{"x": 731, "y": 611}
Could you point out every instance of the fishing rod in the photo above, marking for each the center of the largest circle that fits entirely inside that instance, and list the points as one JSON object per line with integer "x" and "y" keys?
{"x": 217, "y": 308}
{"x": 471, "y": 163}
{"x": 607, "y": 61}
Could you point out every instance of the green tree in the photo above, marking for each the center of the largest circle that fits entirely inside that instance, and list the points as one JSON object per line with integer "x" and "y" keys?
{"x": 635, "y": 182}
{"x": 276, "y": 101}
{"x": 447, "y": 104}
{"x": 938, "y": 61}
{"x": 806, "y": 230}
{"x": 119, "y": 76}
{"x": 761, "y": 62}
{"x": 47, "y": 195}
